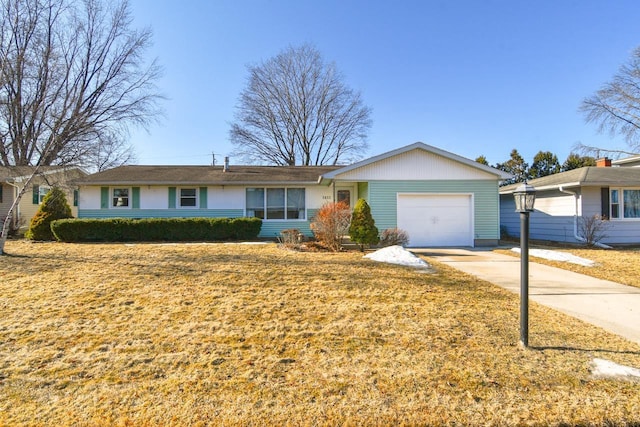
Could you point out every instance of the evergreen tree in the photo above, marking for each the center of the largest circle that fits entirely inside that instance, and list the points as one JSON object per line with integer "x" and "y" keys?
{"x": 482, "y": 160}
{"x": 363, "y": 229}
{"x": 516, "y": 166}
{"x": 54, "y": 206}
{"x": 575, "y": 161}
{"x": 544, "y": 163}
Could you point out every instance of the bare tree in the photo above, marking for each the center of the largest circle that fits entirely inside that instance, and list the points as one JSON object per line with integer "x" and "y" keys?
{"x": 72, "y": 78}
{"x": 296, "y": 110}
{"x": 616, "y": 106}
{"x": 599, "y": 152}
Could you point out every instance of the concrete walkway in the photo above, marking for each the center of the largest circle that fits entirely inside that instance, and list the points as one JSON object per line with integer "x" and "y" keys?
{"x": 603, "y": 303}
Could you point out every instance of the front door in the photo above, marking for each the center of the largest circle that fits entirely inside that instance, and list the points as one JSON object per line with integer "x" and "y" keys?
{"x": 344, "y": 195}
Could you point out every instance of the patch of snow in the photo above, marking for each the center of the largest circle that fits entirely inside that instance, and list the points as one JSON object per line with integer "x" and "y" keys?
{"x": 397, "y": 255}
{"x": 607, "y": 368}
{"x": 558, "y": 256}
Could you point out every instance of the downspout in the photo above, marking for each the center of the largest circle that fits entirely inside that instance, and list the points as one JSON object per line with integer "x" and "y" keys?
{"x": 575, "y": 220}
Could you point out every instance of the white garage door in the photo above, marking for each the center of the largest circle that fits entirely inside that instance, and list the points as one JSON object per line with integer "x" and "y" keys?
{"x": 436, "y": 219}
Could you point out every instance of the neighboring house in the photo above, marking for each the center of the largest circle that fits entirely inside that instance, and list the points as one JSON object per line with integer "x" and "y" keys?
{"x": 564, "y": 199}
{"x": 439, "y": 198}
{"x": 13, "y": 178}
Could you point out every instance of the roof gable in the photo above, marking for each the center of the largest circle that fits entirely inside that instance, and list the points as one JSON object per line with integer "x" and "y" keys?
{"x": 417, "y": 161}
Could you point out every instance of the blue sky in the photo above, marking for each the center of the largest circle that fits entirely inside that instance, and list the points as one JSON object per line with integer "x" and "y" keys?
{"x": 470, "y": 77}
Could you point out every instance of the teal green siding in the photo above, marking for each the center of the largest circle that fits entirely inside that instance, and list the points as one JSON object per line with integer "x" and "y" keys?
{"x": 363, "y": 191}
{"x": 383, "y": 201}
{"x": 272, "y": 229}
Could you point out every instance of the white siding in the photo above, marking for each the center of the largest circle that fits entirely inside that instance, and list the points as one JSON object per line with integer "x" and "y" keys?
{"x": 318, "y": 196}
{"x": 89, "y": 198}
{"x": 415, "y": 165}
{"x": 153, "y": 197}
{"x": 226, "y": 197}
{"x": 556, "y": 204}
{"x": 591, "y": 203}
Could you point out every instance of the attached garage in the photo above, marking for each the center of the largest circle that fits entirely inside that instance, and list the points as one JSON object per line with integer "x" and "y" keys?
{"x": 436, "y": 219}
{"x": 437, "y": 197}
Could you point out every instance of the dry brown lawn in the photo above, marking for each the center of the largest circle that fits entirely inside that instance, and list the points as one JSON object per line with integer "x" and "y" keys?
{"x": 621, "y": 265}
{"x": 224, "y": 334}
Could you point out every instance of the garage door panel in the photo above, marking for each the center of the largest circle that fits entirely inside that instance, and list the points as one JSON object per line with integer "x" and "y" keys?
{"x": 436, "y": 219}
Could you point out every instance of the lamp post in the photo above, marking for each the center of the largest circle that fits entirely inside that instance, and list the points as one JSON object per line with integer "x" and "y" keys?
{"x": 525, "y": 197}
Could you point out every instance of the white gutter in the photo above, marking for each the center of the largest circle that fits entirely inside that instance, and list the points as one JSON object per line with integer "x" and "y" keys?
{"x": 575, "y": 220}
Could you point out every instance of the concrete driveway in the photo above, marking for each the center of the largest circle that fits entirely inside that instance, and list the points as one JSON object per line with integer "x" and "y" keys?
{"x": 603, "y": 303}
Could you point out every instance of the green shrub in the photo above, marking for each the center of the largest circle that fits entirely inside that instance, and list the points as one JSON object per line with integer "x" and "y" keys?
{"x": 363, "y": 229}
{"x": 156, "y": 229}
{"x": 54, "y": 206}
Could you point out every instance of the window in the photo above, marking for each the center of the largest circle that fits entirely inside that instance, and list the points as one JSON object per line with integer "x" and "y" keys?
{"x": 120, "y": 198}
{"x": 625, "y": 203}
{"x": 39, "y": 191}
{"x": 276, "y": 203}
{"x": 255, "y": 202}
{"x": 188, "y": 198}
{"x": 615, "y": 204}
{"x": 295, "y": 203}
{"x": 631, "y": 203}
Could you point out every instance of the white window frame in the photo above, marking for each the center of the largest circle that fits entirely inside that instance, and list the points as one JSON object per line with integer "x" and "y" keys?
{"x": 196, "y": 198}
{"x": 42, "y": 192}
{"x": 113, "y": 198}
{"x": 620, "y": 203}
{"x": 249, "y": 212}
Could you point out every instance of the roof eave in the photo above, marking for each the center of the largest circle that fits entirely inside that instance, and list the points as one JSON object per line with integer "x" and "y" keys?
{"x": 545, "y": 187}
{"x": 184, "y": 183}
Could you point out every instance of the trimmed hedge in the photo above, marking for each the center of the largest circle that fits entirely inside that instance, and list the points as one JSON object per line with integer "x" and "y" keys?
{"x": 156, "y": 229}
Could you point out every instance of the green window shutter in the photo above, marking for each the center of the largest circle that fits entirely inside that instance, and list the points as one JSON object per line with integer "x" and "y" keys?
{"x": 75, "y": 197}
{"x": 1, "y": 193}
{"x": 135, "y": 194}
{"x": 172, "y": 197}
{"x": 104, "y": 197}
{"x": 36, "y": 195}
{"x": 203, "y": 197}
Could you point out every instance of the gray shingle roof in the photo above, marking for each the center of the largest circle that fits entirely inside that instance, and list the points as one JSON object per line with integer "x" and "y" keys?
{"x": 586, "y": 176}
{"x": 207, "y": 175}
{"x": 9, "y": 173}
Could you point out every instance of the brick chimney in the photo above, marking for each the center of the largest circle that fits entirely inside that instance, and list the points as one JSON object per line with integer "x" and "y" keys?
{"x": 603, "y": 162}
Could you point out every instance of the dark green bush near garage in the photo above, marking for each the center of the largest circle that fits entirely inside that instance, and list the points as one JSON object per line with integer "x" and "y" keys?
{"x": 156, "y": 229}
